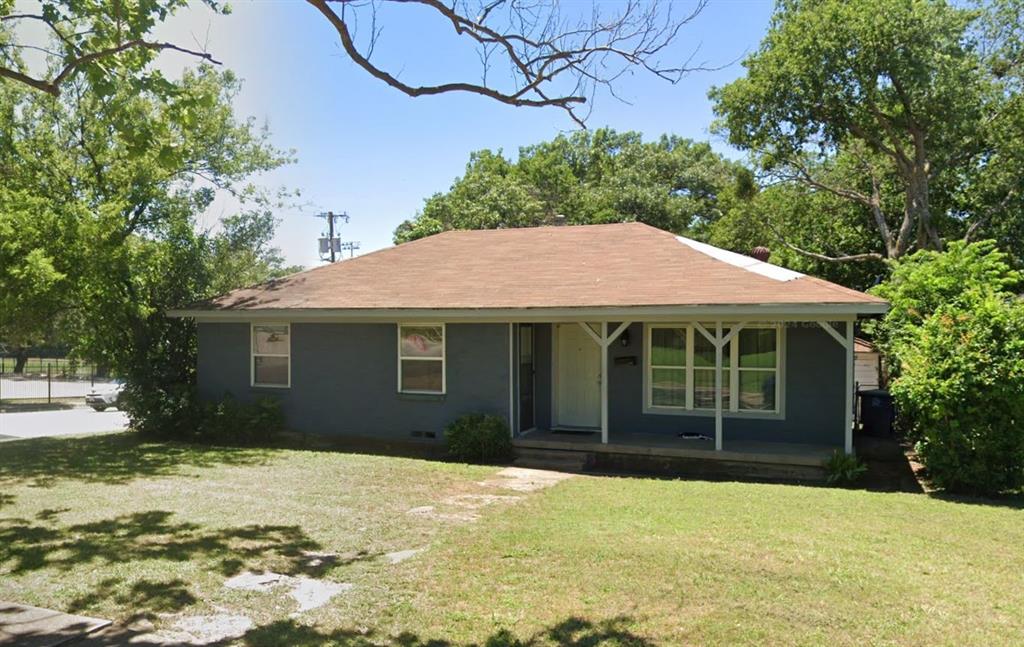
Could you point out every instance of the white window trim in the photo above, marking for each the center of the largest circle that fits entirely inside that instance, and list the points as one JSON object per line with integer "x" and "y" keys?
{"x": 253, "y": 355}
{"x": 443, "y": 359}
{"x": 730, "y": 377}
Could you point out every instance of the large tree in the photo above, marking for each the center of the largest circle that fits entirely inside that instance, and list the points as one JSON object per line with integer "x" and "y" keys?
{"x": 912, "y": 97}
{"x": 589, "y": 177}
{"x": 109, "y": 239}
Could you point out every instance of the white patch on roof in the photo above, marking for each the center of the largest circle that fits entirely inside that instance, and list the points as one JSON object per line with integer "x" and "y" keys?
{"x": 748, "y": 263}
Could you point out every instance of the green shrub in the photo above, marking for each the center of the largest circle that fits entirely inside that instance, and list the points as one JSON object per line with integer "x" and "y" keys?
{"x": 161, "y": 412}
{"x": 231, "y": 422}
{"x": 925, "y": 281}
{"x": 479, "y": 438}
{"x": 843, "y": 469}
{"x": 962, "y": 384}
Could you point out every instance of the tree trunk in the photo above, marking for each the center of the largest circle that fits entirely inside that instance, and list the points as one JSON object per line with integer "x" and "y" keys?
{"x": 20, "y": 360}
{"x": 919, "y": 208}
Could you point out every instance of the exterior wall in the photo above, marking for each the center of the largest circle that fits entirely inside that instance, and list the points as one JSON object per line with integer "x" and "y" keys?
{"x": 345, "y": 377}
{"x": 814, "y": 393}
{"x": 344, "y": 382}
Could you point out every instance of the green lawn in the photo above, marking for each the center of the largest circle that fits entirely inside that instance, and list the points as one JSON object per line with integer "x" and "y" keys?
{"x": 58, "y": 366}
{"x": 109, "y": 527}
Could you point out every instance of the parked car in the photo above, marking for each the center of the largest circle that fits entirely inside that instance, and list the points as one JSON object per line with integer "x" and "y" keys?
{"x": 102, "y": 398}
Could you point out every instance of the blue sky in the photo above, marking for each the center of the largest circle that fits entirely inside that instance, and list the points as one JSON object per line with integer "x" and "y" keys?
{"x": 365, "y": 148}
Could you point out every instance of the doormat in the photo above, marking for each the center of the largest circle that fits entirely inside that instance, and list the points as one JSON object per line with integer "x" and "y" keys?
{"x": 573, "y": 432}
{"x": 690, "y": 435}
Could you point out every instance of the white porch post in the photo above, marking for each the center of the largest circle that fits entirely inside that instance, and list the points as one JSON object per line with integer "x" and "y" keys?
{"x": 604, "y": 341}
{"x": 848, "y": 424}
{"x": 511, "y": 379}
{"x": 604, "y": 382}
{"x": 718, "y": 386}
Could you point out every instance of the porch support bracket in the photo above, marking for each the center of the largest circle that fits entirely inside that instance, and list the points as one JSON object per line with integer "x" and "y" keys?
{"x": 718, "y": 340}
{"x": 846, "y": 341}
{"x": 604, "y": 340}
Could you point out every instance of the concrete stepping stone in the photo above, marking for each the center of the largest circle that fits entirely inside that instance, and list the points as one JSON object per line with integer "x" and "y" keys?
{"x": 312, "y": 594}
{"x": 214, "y": 628}
{"x": 27, "y": 626}
{"x": 400, "y": 556}
{"x": 247, "y": 581}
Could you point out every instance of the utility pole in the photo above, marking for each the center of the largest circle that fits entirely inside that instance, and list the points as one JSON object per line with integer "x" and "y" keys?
{"x": 332, "y": 244}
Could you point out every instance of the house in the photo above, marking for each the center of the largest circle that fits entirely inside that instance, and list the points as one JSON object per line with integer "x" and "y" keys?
{"x": 617, "y": 336}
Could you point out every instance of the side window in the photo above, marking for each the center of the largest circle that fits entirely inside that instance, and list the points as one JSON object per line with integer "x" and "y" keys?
{"x": 271, "y": 355}
{"x": 421, "y": 358}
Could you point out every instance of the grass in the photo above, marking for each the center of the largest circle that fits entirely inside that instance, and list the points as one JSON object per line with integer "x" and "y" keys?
{"x": 115, "y": 528}
{"x": 58, "y": 366}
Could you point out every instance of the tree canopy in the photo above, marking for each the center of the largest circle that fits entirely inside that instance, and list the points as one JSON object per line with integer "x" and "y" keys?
{"x": 100, "y": 198}
{"x": 589, "y": 177}
{"x": 919, "y": 100}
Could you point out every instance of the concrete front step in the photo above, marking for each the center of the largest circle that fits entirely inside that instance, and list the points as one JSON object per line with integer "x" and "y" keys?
{"x": 545, "y": 459}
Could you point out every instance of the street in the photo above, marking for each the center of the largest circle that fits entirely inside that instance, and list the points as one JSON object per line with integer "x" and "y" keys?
{"x": 79, "y": 420}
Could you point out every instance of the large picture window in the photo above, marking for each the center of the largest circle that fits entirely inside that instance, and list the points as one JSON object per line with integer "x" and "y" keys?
{"x": 421, "y": 358}
{"x": 681, "y": 369}
{"x": 271, "y": 355}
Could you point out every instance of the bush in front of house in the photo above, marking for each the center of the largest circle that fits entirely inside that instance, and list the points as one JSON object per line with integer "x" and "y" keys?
{"x": 961, "y": 383}
{"x": 479, "y": 438}
{"x": 161, "y": 412}
{"x": 231, "y": 422}
{"x": 843, "y": 469}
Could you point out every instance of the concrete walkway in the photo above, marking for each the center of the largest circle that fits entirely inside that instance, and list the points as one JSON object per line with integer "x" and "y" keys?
{"x": 78, "y": 420}
{"x": 27, "y": 626}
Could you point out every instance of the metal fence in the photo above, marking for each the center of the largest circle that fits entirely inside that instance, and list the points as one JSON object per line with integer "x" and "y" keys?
{"x": 48, "y": 379}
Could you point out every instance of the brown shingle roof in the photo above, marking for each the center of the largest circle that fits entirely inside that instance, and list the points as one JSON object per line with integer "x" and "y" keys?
{"x": 615, "y": 265}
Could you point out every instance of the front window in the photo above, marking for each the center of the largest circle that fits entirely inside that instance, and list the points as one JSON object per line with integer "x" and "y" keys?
{"x": 271, "y": 355}
{"x": 681, "y": 369}
{"x": 758, "y": 368}
{"x": 668, "y": 367}
{"x": 421, "y": 358}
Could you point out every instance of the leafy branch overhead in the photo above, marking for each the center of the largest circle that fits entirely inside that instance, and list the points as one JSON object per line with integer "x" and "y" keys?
{"x": 94, "y": 39}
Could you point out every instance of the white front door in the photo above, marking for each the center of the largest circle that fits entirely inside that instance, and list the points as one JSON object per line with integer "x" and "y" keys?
{"x": 577, "y": 378}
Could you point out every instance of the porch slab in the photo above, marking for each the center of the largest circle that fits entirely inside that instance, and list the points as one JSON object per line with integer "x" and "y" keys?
{"x": 794, "y": 454}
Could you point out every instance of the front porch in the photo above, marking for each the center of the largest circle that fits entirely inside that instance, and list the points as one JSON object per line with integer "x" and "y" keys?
{"x": 649, "y": 444}
{"x": 758, "y": 391}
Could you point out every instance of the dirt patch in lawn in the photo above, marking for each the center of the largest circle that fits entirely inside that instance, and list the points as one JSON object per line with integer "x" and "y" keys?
{"x": 467, "y": 507}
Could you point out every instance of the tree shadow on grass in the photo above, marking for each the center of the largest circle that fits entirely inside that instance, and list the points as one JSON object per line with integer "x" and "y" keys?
{"x": 27, "y": 546}
{"x": 111, "y": 459}
{"x": 145, "y": 598}
{"x": 571, "y": 632}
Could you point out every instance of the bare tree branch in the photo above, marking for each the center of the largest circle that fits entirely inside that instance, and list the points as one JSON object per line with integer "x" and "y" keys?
{"x": 843, "y": 258}
{"x": 553, "y": 60}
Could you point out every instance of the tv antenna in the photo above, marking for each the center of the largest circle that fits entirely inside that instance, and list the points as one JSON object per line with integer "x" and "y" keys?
{"x": 331, "y": 246}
